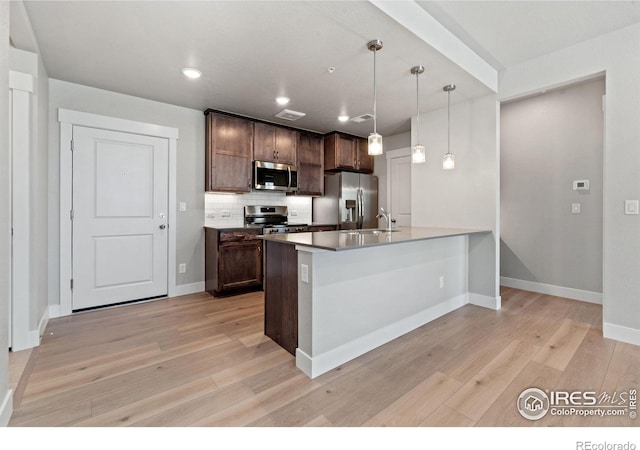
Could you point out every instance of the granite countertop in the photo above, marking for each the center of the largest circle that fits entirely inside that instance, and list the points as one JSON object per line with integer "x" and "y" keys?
{"x": 353, "y": 239}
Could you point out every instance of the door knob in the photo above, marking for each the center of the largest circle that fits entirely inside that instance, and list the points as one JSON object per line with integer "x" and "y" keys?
{"x": 163, "y": 226}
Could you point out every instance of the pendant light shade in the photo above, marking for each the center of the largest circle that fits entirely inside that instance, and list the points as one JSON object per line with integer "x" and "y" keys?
{"x": 418, "y": 155}
{"x": 449, "y": 162}
{"x": 375, "y": 140}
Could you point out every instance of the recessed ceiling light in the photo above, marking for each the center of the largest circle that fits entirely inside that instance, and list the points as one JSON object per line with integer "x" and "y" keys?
{"x": 191, "y": 73}
{"x": 343, "y": 118}
{"x": 282, "y": 100}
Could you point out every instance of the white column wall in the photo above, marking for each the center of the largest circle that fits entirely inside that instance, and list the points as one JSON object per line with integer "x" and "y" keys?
{"x": 468, "y": 196}
{"x": 6, "y": 406}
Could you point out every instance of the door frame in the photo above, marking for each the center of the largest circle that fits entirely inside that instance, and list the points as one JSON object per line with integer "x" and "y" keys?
{"x": 392, "y": 154}
{"x": 68, "y": 119}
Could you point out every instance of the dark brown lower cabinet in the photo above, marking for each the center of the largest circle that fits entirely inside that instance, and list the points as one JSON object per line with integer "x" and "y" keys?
{"x": 233, "y": 261}
{"x": 281, "y": 294}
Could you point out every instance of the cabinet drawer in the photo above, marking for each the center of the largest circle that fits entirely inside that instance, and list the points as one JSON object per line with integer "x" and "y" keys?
{"x": 239, "y": 235}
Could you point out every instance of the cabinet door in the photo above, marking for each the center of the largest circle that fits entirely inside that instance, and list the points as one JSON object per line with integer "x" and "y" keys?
{"x": 229, "y": 144}
{"x": 345, "y": 152}
{"x": 239, "y": 265}
{"x": 364, "y": 161}
{"x": 310, "y": 149}
{"x": 286, "y": 145}
{"x": 264, "y": 142}
{"x": 310, "y": 180}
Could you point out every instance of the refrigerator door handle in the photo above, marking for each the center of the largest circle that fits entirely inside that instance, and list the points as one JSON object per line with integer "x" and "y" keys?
{"x": 360, "y": 209}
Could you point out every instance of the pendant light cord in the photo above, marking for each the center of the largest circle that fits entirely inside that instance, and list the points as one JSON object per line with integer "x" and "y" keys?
{"x": 375, "y": 100}
{"x": 417, "y": 109}
{"x": 448, "y": 122}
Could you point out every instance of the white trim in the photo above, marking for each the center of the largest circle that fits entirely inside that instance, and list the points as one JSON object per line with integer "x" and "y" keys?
{"x": 66, "y": 135}
{"x": 68, "y": 119}
{"x": 112, "y": 123}
{"x": 418, "y": 21}
{"x": 54, "y": 311}
{"x": 20, "y": 81}
{"x": 392, "y": 154}
{"x": 485, "y": 301}
{"x": 21, "y": 215}
{"x": 620, "y": 333}
{"x": 398, "y": 153}
{"x": 6, "y": 408}
{"x": 44, "y": 320}
{"x": 550, "y": 289}
{"x": 186, "y": 289}
{"x": 173, "y": 217}
{"x": 319, "y": 364}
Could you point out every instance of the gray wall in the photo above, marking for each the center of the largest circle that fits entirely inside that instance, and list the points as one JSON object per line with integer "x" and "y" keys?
{"x": 547, "y": 141}
{"x": 5, "y": 226}
{"x": 616, "y": 54}
{"x": 190, "y": 170}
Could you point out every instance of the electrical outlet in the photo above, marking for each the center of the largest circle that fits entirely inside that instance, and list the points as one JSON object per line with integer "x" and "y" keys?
{"x": 182, "y": 206}
{"x": 441, "y": 282}
{"x": 226, "y": 213}
{"x": 293, "y": 213}
{"x": 182, "y": 268}
{"x": 304, "y": 273}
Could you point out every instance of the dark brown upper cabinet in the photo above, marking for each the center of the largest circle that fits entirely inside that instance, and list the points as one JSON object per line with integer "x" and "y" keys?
{"x": 310, "y": 164}
{"x": 228, "y": 153}
{"x": 274, "y": 144}
{"x": 346, "y": 152}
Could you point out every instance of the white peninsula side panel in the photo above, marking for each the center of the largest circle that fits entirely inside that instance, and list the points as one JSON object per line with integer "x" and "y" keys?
{"x": 357, "y": 300}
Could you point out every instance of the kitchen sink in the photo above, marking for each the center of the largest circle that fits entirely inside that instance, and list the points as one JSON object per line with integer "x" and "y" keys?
{"x": 354, "y": 232}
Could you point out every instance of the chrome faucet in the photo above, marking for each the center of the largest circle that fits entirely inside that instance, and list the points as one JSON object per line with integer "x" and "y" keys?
{"x": 387, "y": 217}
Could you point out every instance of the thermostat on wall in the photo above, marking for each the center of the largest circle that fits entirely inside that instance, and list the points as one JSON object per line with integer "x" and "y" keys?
{"x": 580, "y": 185}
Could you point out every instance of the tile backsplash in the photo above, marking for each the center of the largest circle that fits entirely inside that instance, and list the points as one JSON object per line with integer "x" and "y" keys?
{"x": 227, "y": 210}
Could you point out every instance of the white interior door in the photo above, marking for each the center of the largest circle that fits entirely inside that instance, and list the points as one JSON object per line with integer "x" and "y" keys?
{"x": 401, "y": 190}
{"x": 120, "y": 207}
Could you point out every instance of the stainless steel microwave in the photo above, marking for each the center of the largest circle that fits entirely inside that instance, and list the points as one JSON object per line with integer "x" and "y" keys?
{"x": 274, "y": 176}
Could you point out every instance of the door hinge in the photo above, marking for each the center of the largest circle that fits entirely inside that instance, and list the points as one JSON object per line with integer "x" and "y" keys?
{"x": 71, "y": 214}
{"x": 71, "y": 284}
{"x": 71, "y": 145}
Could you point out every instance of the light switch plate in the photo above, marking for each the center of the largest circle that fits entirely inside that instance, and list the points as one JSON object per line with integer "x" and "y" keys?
{"x": 631, "y": 207}
{"x": 304, "y": 273}
{"x": 182, "y": 206}
{"x": 576, "y": 208}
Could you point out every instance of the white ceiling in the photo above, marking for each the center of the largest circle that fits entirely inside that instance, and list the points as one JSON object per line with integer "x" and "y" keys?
{"x": 251, "y": 52}
{"x": 505, "y": 33}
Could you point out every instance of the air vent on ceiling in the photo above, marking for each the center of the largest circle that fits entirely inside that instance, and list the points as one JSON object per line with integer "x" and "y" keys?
{"x": 290, "y": 115}
{"x": 362, "y": 118}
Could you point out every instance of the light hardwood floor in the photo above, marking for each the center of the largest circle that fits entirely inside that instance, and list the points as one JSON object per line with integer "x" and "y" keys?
{"x": 200, "y": 361}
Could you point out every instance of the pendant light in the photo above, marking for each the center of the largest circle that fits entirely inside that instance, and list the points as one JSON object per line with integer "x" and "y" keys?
{"x": 449, "y": 162}
{"x": 375, "y": 140}
{"x": 418, "y": 155}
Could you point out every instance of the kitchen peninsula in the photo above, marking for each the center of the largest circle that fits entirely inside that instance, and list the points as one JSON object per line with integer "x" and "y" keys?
{"x": 335, "y": 295}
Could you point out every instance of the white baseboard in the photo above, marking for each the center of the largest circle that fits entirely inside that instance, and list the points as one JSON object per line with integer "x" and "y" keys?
{"x": 43, "y": 324}
{"x": 54, "y": 311}
{"x": 485, "y": 301}
{"x": 550, "y": 289}
{"x": 186, "y": 289}
{"x": 6, "y": 408}
{"x": 620, "y": 333}
{"x": 314, "y": 366}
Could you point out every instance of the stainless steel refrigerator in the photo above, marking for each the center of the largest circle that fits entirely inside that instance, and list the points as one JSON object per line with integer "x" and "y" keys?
{"x": 350, "y": 200}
